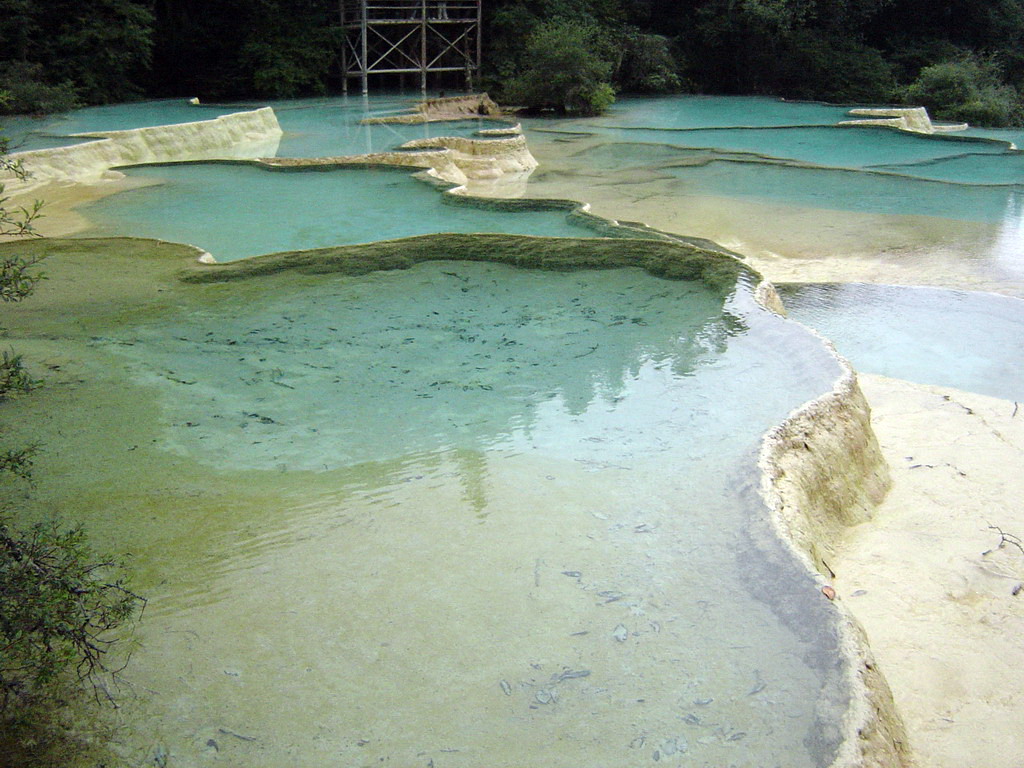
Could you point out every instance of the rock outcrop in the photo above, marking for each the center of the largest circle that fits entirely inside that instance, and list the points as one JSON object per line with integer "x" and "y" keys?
{"x": 911, "y": 119}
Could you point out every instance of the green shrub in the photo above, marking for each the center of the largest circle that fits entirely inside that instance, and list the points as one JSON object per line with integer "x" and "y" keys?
{"x": 567, "y": 70}
{"x": 26, "y": 91}
{"x": 968, "y": 89}
{"x": 814, "y": 66}
{"x": 63, "y": 612}
{"x": 647, "y": 64}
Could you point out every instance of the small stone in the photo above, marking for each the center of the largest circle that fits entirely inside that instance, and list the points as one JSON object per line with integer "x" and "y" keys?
{"x": 621, "y": 634}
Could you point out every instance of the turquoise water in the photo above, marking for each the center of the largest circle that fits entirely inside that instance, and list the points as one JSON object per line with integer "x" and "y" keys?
{"x": 969, "y": 341}
{"x": 313, "y": 127}
{"x": 847, "y": 191}
{"x": 1012, "y": 135}
{"x": 515, "y": 506}
{"x": 1002, "y": 168}
{"x": 329, "y": 128}
{"x": 686, "y": 141}
{"x": 684, "y": 173}
{"x": 655, "y": 139}
{"x": 234, "y": 211}
{"x": 820, "y": 145}
{"x": 716, "y": 112}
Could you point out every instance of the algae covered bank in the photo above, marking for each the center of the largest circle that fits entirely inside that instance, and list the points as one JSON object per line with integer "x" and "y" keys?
{"x": 463, "y": 499}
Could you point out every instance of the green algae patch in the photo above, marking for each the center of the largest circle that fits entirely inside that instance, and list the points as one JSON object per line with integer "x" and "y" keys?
{"x": 96, "y": 281}
{"x": 669, "y": 260}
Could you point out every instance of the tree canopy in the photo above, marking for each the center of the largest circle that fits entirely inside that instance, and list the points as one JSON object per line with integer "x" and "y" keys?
{"x": 58, "y": 52}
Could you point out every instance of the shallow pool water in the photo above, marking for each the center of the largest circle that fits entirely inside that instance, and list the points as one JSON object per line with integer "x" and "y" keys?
{"x": 234, "y": 211}
{"x": 946, "y": 208}
{"x": 971, "y": 341}
{"x": 994, "y": 168}
{"x": 828, "y": 146}
{"x": 328, "y": 129}
{"x": 717, "y": 112}
{"x": 312, "y": 127}
{"x": 759, "y": 175}
{"x": 462, "y": 512}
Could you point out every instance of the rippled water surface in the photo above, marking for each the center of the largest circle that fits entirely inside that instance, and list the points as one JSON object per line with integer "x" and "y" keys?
{"x": 462, "y": 513}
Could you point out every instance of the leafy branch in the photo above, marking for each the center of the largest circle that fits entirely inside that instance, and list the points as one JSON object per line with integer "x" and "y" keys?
{"x": 64, "y": 609}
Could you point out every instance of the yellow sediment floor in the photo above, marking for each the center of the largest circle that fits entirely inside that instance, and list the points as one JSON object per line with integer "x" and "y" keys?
{"x": 940, "y": 599}
{"x": 61, "y": 199}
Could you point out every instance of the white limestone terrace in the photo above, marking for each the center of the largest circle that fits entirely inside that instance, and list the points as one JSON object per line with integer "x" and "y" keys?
{"x": 240, "y": 135}
{"x": 255, "y": 136}
{"x": 911, "y": 119}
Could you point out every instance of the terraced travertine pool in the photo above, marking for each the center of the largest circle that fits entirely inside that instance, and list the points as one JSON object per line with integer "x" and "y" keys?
{"x": 463, "y": 513}
{"x": 943, "y": 210}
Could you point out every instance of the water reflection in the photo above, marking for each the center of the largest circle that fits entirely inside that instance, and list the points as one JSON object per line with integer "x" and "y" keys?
{"x": 970, "y": 341}
{"x": 1008, "y": 248}
{"x": 343, "y": 572}
{"x": 462, "y": 355}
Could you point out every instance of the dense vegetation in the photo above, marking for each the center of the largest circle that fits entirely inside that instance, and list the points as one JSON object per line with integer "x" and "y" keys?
{"x": 963, "y": 58}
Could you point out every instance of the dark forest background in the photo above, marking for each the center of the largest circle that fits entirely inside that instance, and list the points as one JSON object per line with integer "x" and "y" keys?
{"x": 962, "y": 58}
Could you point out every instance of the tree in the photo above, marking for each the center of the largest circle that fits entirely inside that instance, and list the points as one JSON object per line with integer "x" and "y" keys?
{"x": 967, "y": 89}
{"x": 646, "y": 64}
{"x": 17, "y": 281}
{"x": 57, "y": 52}
{"x": 288, "y": 48}
{"x": 63, "y": 608}
{"x": 567, "y": 70}
{"x": 225, "y": 49}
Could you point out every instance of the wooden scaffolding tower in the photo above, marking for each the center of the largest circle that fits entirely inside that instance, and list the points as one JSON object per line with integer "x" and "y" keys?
{"x": 410, "y": 37}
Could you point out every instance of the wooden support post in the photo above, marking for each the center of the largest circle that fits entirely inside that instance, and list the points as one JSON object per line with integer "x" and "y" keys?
{"x": 344, "y": 47}
{"x": 366, "y": 60}
{"x": 423, "y": 46}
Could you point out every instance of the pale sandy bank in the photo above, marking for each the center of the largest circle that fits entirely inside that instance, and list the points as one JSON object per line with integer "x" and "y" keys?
{"x": 940, "y": 599}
